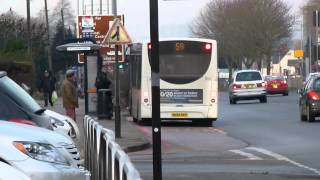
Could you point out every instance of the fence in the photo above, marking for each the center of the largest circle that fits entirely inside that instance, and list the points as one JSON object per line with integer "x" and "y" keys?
{"x": 104, "y": 158}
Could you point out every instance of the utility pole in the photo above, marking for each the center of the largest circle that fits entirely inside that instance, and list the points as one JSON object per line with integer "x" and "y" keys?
{"x": 48, "y": 36}
{"x": 28, "y": 27}
{"x": 92, "y": 7}
{"x": 83, "y": 8}
{"x": 155, "y": 78}
{"x": 30, "y": 43}
{"x": 117, "y": 88}
{"x": 100, "y": 7}
{"x": 62, "y": 21}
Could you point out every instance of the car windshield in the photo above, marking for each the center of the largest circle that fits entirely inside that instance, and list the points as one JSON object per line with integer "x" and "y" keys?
{"x": 19, "y": 95}
{"x": 274, "y": 78}
{"x": 248, "y": 76}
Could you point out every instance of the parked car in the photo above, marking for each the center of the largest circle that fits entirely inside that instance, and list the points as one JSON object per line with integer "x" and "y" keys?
{"x": 247, "y": 85}
{"x": 18, "y": 106}
{"x": 276, "y": 85}
{"x": 310, "y": 75}
{"x": 9, "y": 172}
{"x": 39, "y": 153}
{"x": 63, "y": 124}
{"x": 309, "y": 99}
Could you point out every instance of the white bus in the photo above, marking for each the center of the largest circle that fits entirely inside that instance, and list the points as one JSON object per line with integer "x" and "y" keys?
{"x": 188, "y": 80}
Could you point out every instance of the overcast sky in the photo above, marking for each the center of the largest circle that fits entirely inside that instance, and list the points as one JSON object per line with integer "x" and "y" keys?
{"x": 174, "y": 17}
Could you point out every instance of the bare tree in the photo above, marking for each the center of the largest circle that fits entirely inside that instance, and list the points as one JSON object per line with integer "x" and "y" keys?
{"x": 247, "y": 31}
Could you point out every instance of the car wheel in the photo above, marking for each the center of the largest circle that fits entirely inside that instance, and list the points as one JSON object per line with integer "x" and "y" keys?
{"x": 303, "y": 117}
{"x": 232, "y": 101}
{"x": 310, "y": 115}
{"x": 263, "y": 99}
{"x": 286, "y": 94}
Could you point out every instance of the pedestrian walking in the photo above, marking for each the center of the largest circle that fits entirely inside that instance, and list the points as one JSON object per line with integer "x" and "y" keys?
{"x": 69, "y": 94}
{"x": 47, "y": 86}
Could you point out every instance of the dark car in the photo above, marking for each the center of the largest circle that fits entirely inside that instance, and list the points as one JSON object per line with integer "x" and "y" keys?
{"x": 309, "y": 99}
{"x": 276, "y": 85}
{"x": 17, "y": 105}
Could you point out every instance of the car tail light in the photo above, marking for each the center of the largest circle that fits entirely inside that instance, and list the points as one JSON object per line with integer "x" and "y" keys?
{"x": 236, "y": 86}
{"x": 313, "y": 95}
{"x": 261, "y": 84}
{"x": 284, "y": 82}
{"x": 22, "y": 121}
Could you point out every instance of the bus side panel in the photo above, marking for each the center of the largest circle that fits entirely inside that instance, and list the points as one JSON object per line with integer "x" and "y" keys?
{"x": 135, "y": 103}
{"x": 213, "y": 102}
{"x": 145, "y": 106}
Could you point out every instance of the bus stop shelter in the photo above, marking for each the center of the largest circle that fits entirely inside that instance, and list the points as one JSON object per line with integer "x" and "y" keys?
{"x": 86, "y": 47}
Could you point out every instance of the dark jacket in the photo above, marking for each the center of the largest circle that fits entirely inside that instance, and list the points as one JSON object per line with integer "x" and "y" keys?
{"x": 47, "y": 84}
{"x": 102, "y": 81}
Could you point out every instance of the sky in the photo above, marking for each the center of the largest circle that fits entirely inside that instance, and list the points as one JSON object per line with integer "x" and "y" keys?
{"x": 175, "y": 17}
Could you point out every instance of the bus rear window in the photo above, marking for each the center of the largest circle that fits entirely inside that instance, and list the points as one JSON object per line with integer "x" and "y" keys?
{"x": 183, "y": 62}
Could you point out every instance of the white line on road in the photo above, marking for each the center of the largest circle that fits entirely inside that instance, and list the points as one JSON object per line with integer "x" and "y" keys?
{"x": 249, "y": 155}
{"x": 283, "y": 158}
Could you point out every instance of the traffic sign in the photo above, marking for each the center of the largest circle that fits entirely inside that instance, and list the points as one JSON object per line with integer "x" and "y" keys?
{"x": 117, "y": 34}
{"x": 96, "y": 27}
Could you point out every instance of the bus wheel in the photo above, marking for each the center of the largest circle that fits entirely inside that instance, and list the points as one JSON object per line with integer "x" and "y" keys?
{"x": 145, "y": 121}
{"x": 135, "y": 120}
{"x": 204, "y": 122}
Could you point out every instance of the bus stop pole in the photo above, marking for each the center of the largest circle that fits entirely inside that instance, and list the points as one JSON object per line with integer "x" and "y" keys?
{"x": 155, "y": 78}
{"x": 86, "y": 98}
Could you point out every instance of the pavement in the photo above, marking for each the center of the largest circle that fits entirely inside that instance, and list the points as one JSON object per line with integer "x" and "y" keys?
{"x": 131, "y": 139}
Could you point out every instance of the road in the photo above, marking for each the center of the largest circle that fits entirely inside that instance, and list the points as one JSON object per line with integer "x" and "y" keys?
{"x": 249, "y": 141}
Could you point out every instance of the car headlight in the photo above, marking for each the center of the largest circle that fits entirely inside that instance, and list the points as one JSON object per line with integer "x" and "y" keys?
{"x": 56, "y": 121}
{"x": 41, "y": 152}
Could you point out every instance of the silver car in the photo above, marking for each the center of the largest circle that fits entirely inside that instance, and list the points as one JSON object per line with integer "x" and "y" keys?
{"x": 247, "y": 85}
{"x": 40, "y": 153}
{"x": 9, "y": 172}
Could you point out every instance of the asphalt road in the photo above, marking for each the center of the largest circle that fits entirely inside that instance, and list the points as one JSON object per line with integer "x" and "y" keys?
{"x": 249, "y": 141}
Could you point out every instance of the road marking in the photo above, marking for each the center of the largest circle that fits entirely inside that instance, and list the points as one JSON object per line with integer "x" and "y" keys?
{"x": 215, "y": 130}
{"x": 283, "y": 158}
{"x": 249, "y": 155}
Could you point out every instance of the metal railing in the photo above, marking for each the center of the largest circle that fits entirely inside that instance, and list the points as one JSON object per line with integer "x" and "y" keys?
{"x": 104, "y": 158}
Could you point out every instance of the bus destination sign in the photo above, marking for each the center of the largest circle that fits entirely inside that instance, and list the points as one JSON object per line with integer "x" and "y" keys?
{"x": 176, "y": 96}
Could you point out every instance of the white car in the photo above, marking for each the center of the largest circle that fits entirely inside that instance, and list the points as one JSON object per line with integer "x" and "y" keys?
{"x": 9, "y": 172}
{"x": 40, "y": 153}
{"x": 63, "y": 124}
{"x": 247, "y": 85}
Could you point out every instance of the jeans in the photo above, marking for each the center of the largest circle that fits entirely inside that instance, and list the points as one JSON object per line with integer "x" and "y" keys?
{"x": 47, "y": 97}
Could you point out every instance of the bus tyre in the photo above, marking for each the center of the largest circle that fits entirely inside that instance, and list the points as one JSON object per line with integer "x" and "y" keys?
{"x": 208, "y": 122}
{"x": 145, "y": 121}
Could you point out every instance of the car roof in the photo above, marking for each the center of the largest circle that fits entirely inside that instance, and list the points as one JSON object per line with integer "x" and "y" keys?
{"x": 247, "y": 70}
{"x": 2, "y": 73}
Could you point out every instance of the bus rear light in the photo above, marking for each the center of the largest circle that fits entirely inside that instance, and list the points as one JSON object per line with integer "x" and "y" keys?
{"x": 207, "y": 46}
{"x": 149, "y": 45}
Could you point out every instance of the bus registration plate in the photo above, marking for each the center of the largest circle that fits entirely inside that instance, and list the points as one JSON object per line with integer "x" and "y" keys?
{"x": 179, "y": 114}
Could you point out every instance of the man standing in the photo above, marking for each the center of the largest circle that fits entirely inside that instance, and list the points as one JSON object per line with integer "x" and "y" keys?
{"x": 47, "y": 86}
{"x": 69, "y": 94}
